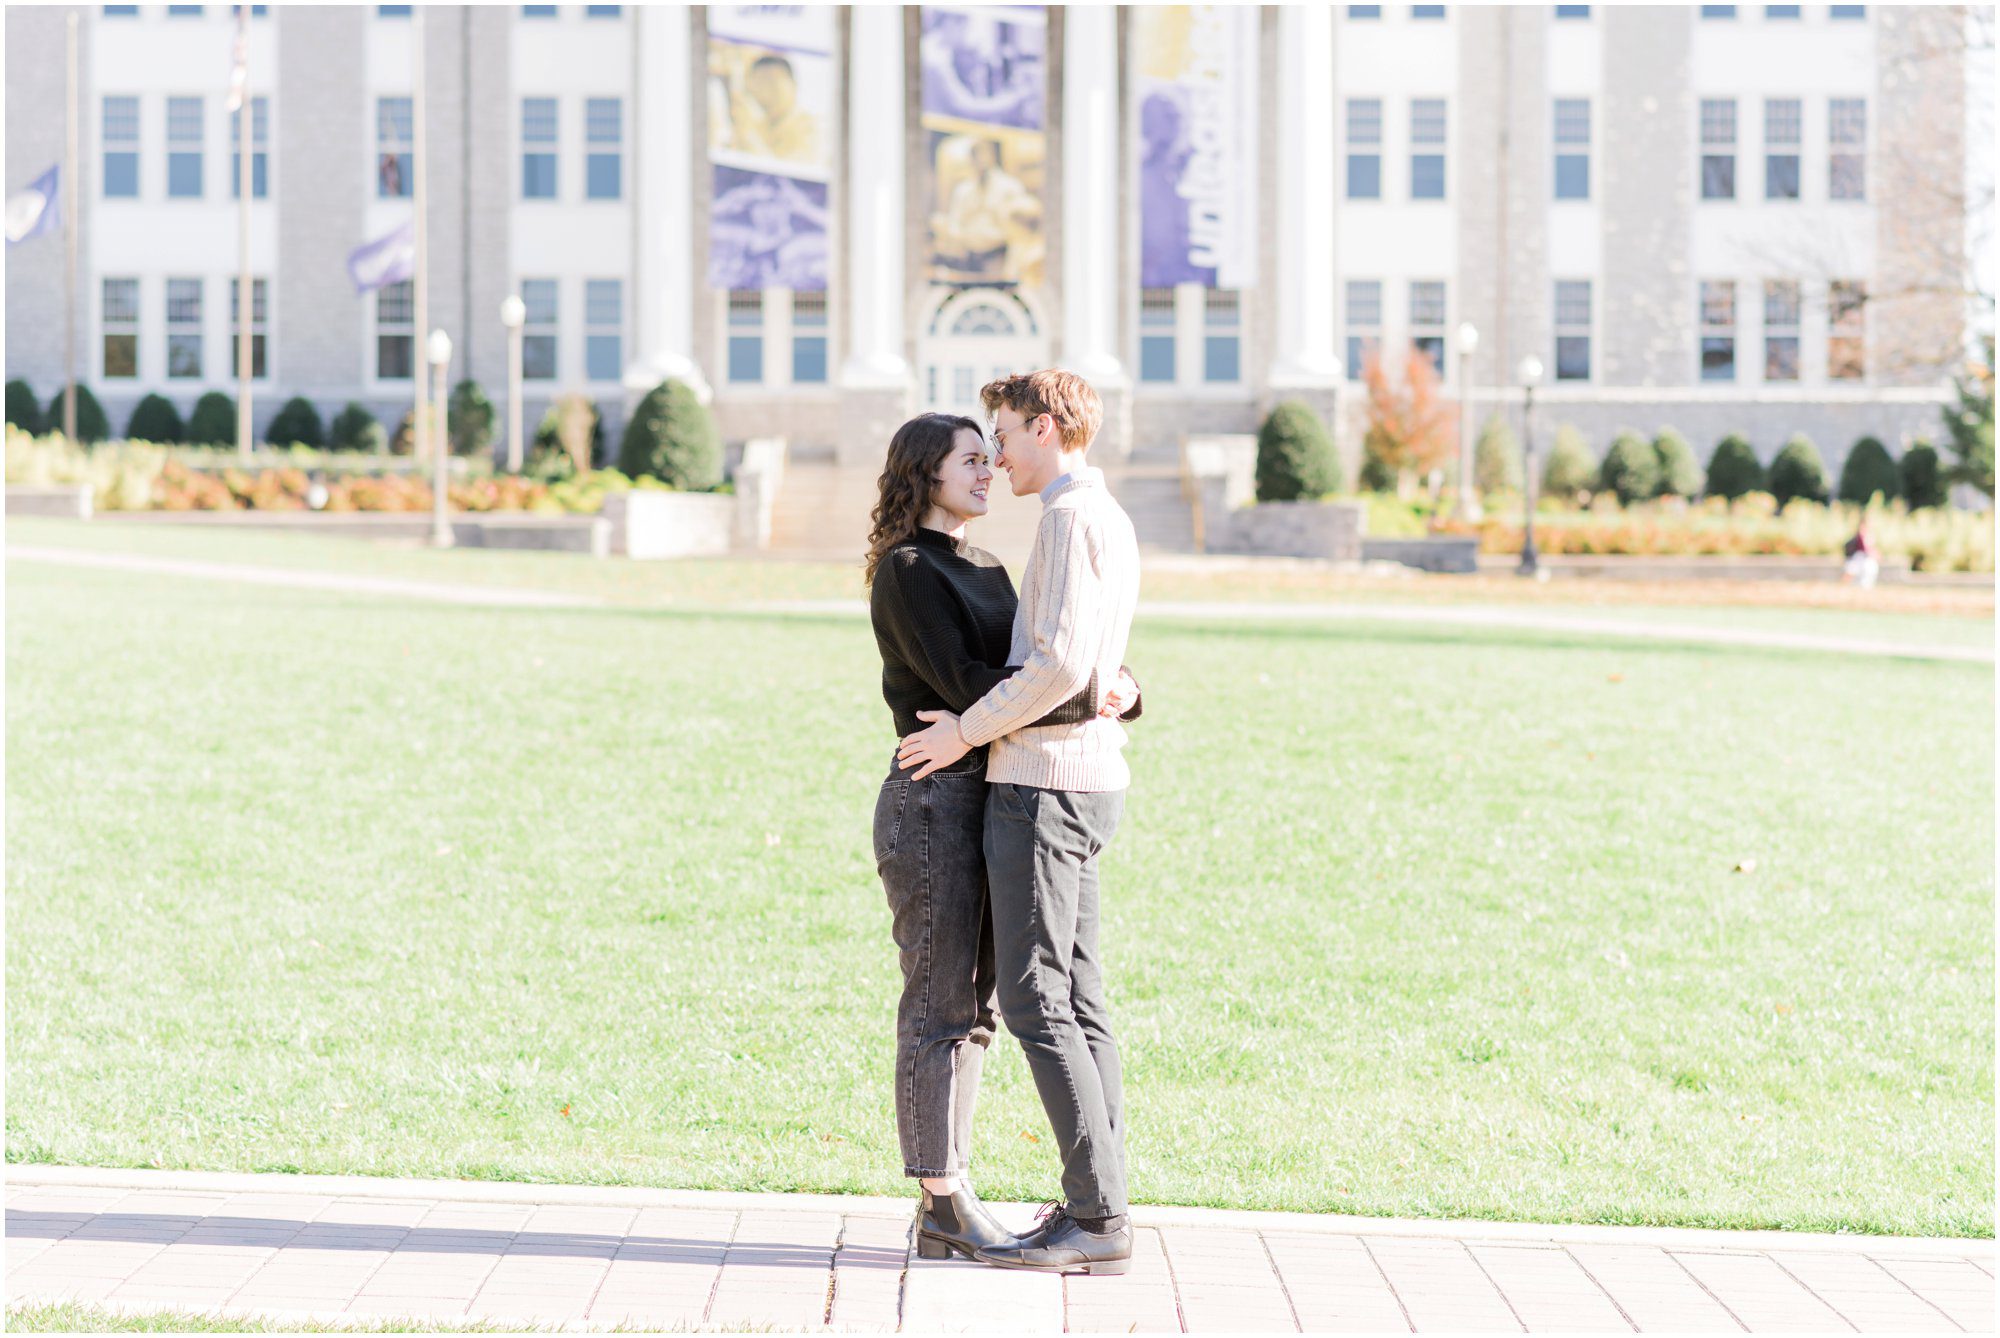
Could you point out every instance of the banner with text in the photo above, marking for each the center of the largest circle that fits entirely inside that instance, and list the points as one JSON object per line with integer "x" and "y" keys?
{"x": 985, "y": 95}
{"x": 770, "y": 99}
{"x": 1196, "y": 87}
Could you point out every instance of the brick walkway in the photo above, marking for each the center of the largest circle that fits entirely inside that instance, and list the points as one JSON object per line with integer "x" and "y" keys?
{"x": 334, "y": 1248}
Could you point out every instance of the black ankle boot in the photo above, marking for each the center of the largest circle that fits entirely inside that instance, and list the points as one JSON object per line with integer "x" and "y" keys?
{"x": 956, "y": 1223}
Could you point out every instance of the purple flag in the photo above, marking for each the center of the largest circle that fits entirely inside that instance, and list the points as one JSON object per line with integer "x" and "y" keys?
{"x": 37, "y": 209}
{"x": 390, "y": 258}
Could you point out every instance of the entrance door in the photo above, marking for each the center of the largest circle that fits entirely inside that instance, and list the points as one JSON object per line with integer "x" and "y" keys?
{"x": 974, "y": 336}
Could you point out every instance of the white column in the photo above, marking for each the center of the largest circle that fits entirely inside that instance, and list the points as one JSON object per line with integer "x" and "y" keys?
{"x": 875, "y": 283}
{"x": 1303, "y": 278}
{"x": 667, "y": 274}
{"x": 1090, "y": 194}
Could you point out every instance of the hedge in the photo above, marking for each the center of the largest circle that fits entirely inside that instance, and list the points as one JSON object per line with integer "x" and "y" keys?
{"x": 1295, "y": 458}
{"x": 1734, "y": 469}
{"x": 672, "y": 438}
{"x": 1798, "y": 471}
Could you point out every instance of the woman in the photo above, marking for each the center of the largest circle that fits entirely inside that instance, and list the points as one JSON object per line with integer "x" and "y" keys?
{"x": 944, "y": 616}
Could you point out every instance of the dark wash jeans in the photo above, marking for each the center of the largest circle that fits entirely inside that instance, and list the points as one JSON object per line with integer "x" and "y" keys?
{"x": 1041, "y": 860}
{"x": 927, "y": 849}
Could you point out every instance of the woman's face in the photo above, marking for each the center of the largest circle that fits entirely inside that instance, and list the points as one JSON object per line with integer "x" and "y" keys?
{"x": 963, "y": 477}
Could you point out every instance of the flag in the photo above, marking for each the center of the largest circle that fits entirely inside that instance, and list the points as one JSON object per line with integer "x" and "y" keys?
{"x": 388, "y": 259}
{"x": 239, "y": 73}
{"x": 36, "y": 210}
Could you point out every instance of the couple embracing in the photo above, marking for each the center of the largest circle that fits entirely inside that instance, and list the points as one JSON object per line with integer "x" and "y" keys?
{"x": 1006, "y": 788}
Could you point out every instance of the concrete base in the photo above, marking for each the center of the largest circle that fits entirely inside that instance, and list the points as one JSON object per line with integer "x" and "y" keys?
{"x": 1452, "y": 553}
{"x": 67, "y": 501}
{"x": 650, "y": 524}
{"x": 1327, "y": 530}
{"x": 553, "y": 534}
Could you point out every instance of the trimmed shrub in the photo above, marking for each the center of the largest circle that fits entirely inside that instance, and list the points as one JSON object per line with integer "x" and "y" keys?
{"x": 1680, "y": 472}
{"x": 1572, "y": 469}
{"x": 296, "y": 424}
{"x": 213, "y": 422}
{"x": 672, "y": 438}
{"x": 1734, "y": 469}
{"x": 1869, "y": 469}
{"x": 469, "y": 419}
{"x": 1496, "y": 458}
{"x": 569, "y": 439}
{"x": 1922, "y": 476}
{"x": 1295, "y": 458}
{"x": 155, "y": 419}
{"x": 23, "y": 410}
{"x": 91, "y": 424}
{"x": 1798, "y": 472}
{"x": 1378, "y": 474}
{"x": 355, "y": 429}
{"x": 1631, "y": 468}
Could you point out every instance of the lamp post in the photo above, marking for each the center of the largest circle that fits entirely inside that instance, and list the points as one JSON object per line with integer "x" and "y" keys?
{"x": 439, "y": 349}
{"x": 513, "y": 315}
{"x": 1469, "y": 509}
{"x": 1531, "y": 376}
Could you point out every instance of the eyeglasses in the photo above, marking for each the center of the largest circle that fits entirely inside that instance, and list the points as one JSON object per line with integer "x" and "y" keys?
{"x": 1000, "y": 433}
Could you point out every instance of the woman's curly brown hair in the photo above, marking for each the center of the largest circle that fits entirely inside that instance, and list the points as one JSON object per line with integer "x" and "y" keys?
{"x": 909, "y": 481}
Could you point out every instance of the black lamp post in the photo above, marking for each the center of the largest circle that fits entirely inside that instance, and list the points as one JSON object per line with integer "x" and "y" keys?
{"x": 1531, "y": 376}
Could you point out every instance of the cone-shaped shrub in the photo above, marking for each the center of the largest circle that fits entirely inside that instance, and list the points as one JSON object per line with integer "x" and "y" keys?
{"x": 1572, "y": 469}
{"x": 1734, "y": 469}
{"x": 1923, "y": 476}
{"x": 355, "y": 429}
{"x": 156, "y": 419}
{"x": 1496, "y": 458}
{"x": 213, "y": 422}
{"x": 23, "y": 410}
{"x": 1680, "y": 472}
{"x": 1798, "y": 472}
{"x": 1631, "y": 468}
{"x": 469, "y": 419}
{"x": 1295, "y": 458}
{"x": 672, "y": 437}
{"x": 91, "y": 424}
{"x": 297, "y": 424}
{"x": 1869, "y": 469}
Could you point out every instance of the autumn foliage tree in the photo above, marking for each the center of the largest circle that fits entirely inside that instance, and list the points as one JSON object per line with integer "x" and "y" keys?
{"x": 1411, "y": 425}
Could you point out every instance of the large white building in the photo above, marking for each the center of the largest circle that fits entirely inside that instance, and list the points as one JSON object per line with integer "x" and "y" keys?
{"x": 1724, "y": 217}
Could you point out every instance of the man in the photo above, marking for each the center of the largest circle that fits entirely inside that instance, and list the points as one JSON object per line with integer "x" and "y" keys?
{"x": 1055, "y": 796}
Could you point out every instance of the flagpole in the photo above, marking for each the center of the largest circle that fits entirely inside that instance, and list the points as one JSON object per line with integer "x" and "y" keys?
{"x": 420, "y": 261}
{"x": 246, "y": 136}
{"x": 69, "y": 247}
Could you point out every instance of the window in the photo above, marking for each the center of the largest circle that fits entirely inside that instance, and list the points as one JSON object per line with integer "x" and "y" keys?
{"x": 257, "y": 326}
{"x": 121, "y": 148}
{"x": 260, "y": 141}
{"x": 1782, "y": 119}
{"x": 1847, "y": 157}
{"x": 121, "y": 328}
{"x": 183, "y": 11}
{"x": 1427, "y": 321}
{"x": 184, "y": 329}
{"x": 604, "y": 132}
{"x": 395, "y": 331}
{"x": 1426, "y": 11}
{"x": 1222, "y": 344}
{"x": 603, "y": 11}
{"x": 746, "y": 336}
{"x": 1718, "y": 11}
{"x": 538, "y": 11}
{"x": 809, "y": 338}
{"x": 604, "y": 329}
{"x": 395, "y": 139}
{"x": 1572, "y": 329}
{"x": 121, "y": 11}
{"x": 392, "y": 11}
{"x": 256, "y": 11}
{"x": 1846, "y": 316}
{"x": 1364, "y": 325}
{"x": 1364, "y": 11}
{"x": 1781, "y": 330}
{"x": 1572, "y": 148}
{"x": 538, "y": 338}
{"x": 1364, "y": 148}
{"x": 1718, "y": 330}
{"x": 1781, "y": 11}
{"x": 1427, "y": 148}
{"x": 1572, "y": 11}
{"x": 1847, "y": 11}
{"x": 184, "y": 145}
{"x": 1156, "y": 334}
{"x": 538, "y": 148}
{"x": 1718, "y": 148}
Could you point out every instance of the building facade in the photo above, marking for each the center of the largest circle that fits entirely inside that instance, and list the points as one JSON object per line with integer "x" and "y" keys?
{"x": 1724, "y": 218}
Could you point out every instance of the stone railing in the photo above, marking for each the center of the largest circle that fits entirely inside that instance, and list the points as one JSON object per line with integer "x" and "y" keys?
{"x": 759, "y": 476}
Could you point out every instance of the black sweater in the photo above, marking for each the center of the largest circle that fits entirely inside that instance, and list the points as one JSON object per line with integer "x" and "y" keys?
{"x": 944, "y": 621}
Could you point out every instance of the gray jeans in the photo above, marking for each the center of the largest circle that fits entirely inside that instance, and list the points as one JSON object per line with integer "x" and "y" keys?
{"x": 927, "y": 849}
{"x": 1041, "y": 859}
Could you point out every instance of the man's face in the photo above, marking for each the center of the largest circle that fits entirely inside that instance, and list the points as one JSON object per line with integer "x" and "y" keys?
{"x": 772, "y": 88}
{"x": 1027, "y": 448}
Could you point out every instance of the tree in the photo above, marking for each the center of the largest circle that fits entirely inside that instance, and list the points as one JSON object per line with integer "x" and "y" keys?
{"x": 1922, "y": 476}
{"x": 469, "y": 419}
{"x": 672, "y": 437}
{"x": 1868, "y": 470}
{"x": 1295, "y": 459}
{"x": 155, "y": 419}
{"x": 1968, "y": 424}
{"x": 1411, "y": 427}
{"x": 1496, "y": 458}
{"x": 1734, "y": 469}
{"x": 1798, "y": 471}
{"x": 213, "y": 422}
{"x": 1631, "y": 468}
{"x": 1680, "y": 472}
{"x": 355, "y": 429}
{"x": 91, "y": 424}
{"x": 1572, "y": 469}
{"x": 23, "y": 411}
{"x": 297, "y": 424}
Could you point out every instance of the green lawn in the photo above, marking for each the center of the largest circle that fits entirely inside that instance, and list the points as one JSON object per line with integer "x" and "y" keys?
{"x": 1403, "y": 920}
